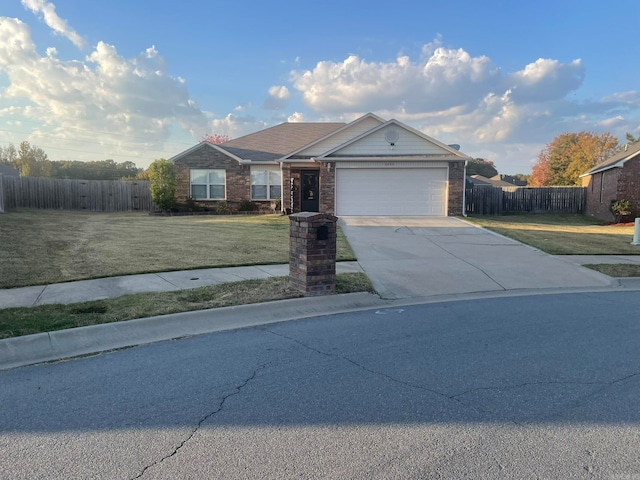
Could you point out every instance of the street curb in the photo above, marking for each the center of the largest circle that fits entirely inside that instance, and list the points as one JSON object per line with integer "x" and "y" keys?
{"x": 63, "y": 344}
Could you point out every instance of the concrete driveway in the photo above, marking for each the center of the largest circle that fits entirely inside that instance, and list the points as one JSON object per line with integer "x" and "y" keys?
{"x": 413, "y": 257}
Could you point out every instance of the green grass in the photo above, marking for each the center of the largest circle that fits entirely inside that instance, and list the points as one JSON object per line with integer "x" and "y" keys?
{"x": 40, "y": 247}
{"x": 616, "y": 269}
{"x": 560, "y": 234}
{"x": 46, "y": 318}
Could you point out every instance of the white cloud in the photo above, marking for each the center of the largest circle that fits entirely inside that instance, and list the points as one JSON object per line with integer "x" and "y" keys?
{"x": 278, "y": 98}
{"x": 459, "y": 98}
{"x": 53, "y": 21}
{"x": 445, "y": 79}
{"x": 135, "y": 100}
{"x": 545, "y": 79}
{"x": 296, "y": 117}
{"x": 236, "y": 126}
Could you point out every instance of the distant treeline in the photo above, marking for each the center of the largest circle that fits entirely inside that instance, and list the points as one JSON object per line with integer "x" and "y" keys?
{"x": 32, "y": 161}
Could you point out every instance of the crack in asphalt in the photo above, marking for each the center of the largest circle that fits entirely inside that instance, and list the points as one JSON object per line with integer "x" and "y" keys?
{"x": 195, "y": 430}
{"x": 456, "y": 396}
{"x": 366, "y": 369}
{"x": 526, "y": 384}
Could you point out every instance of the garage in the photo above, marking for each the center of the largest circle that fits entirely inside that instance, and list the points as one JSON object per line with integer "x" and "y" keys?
{"x": 391, "y": 191}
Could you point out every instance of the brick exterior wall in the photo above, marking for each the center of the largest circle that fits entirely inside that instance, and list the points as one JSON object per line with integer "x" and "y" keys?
{"x": 456, "y": 188}
{"x": 613, "y": 184}
{"x": 238, "y": 182}
{"x": 328, "y": 188}
{"x": 312, "y": 261}
{"x": 629, "y": 184}
{"x": 238, "y": 178}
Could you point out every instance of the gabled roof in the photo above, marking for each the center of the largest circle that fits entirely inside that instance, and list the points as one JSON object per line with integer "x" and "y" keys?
{"x": 8, "y": 171}
{"x": 616, "y": 161}
{"x": 480, "y": 181}
{"x": 450, "y": 150}
{"x": 511, "y": 180}
{"x": 276, "y": 142}
{"x": 345, "y": 126}
{"x": 204, "y": 145}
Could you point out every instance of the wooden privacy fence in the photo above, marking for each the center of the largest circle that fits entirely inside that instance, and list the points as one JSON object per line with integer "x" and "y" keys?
{"x": 90, "y": 195}
{"x": 1, "y": 194}
{"x": 500, "y": 200}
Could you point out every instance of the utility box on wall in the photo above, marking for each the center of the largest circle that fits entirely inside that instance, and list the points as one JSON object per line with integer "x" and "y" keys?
{"x": 312, "y": 253}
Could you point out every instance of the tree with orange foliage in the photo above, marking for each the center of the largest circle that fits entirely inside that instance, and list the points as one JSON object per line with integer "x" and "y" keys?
{"x": 540, "y": 173}
{"x": 569, "y": 155}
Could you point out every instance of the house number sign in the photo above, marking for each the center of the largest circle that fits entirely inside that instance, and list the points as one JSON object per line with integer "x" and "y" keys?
{"x": 292, "y": 195}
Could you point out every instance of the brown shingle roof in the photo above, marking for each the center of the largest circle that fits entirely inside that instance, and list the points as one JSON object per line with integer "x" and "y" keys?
{"x": 275, "y": 142}
{"x": 611, "y": 162}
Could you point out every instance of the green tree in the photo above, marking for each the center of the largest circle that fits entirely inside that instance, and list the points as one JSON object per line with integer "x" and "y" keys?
{"x": 631, "y": 139}
{"x": 8, "y": 155}
{"x": 480, "y": 166}
{"x": 569, "y": 155}
{"x": 32, "y": 161}
{"x": 95, "y": 170}
{"x": 162, "y": 174}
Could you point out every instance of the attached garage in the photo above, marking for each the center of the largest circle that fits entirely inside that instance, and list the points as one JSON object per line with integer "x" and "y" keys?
{"x": 394, "y": 190}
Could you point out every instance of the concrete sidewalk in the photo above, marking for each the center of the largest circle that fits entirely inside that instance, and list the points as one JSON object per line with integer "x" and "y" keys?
{"x": 111, "y": 287}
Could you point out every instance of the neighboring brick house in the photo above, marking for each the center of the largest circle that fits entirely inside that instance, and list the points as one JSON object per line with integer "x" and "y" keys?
{"x": 617, "y": 178}
{"x": 8, "y": 171}
{"x": 367, "y": 167}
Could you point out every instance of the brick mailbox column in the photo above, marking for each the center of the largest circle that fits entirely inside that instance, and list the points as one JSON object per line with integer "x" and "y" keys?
{"x": 312, "y": 253}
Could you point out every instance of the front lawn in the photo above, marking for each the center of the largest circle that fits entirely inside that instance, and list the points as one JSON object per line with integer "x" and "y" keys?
{"x": 40, "y": 247}
{"x": 563, "y": 234}
{"x": 15, "y": 322}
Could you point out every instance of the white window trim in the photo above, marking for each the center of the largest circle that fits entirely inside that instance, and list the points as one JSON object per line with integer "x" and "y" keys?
{"x": 268, "y": 169}
{"x": 208, "y": 185}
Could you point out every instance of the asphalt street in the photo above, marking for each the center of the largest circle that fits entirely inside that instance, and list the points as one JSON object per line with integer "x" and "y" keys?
{"x": 542, "y": 386}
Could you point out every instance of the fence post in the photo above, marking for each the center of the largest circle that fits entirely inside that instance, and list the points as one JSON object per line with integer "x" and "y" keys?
{"x": 1, "y": 193}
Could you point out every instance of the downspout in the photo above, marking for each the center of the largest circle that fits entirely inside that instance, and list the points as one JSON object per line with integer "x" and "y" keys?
{"x": 464, "y": 190}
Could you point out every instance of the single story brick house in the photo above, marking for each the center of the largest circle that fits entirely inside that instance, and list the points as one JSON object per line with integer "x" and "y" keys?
{"x": 367, "y": 167}
{"x": 617, "y": 178}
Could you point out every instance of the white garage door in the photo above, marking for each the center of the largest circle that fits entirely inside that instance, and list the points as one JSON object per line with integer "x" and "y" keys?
{"x": 385, "y": 191}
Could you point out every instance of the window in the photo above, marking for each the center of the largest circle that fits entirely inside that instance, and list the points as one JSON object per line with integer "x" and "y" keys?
{"x": 208, "y": 184}
{"x": 266, "y": 182}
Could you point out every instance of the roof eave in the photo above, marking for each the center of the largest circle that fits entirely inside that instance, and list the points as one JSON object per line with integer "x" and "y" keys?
{"x": 202, "y": 144}
{"x": 389, "y": 158}
{"x": 618, "y": 164}
{"x": 344, "y": 127}
{"x": 399, "y": 124}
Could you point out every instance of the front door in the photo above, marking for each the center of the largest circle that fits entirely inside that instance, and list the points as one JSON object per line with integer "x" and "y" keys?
{"x": 310, "y": 201}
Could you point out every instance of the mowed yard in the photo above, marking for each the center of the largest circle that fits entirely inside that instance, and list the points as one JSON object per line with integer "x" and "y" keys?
{"x": 40, "y": 247}
{"x": 563, "y": 234}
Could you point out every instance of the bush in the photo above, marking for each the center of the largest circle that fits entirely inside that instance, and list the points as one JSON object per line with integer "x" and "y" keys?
{"x": 620, "y": 209}
{"x": 222, "y": 207}
{"x": 162, "y": 174}
{"x": 247, "y": 206}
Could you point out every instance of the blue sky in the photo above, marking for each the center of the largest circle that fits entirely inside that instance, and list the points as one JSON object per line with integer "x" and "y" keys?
{"x": 140, "y": 80}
